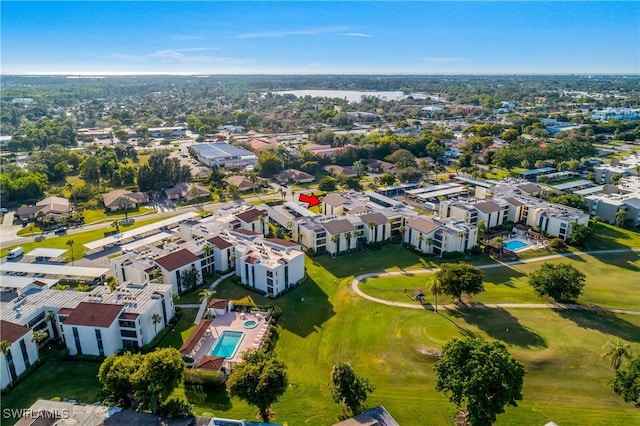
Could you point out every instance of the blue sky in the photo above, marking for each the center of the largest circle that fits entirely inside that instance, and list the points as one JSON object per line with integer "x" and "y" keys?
{"x": 319, "y": 37}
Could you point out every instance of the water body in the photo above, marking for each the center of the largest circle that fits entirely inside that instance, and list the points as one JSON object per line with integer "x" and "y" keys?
{"x": 350, "y": 95}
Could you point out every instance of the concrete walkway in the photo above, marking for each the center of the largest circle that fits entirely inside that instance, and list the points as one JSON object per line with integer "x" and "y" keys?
{"x": 203, "y": 305}
{"x": 355, "y": 285}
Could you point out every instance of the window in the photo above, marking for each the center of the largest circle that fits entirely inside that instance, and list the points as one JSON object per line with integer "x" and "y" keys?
{"x": 76, "y": 338}
{"x": 130, "y": 344}
{"x": 269, "y": 273}
{"x": 12, "y": 367}
{"x": 129, "y": 333}
{"x": 25, "y": 354}
{"x": 36, "y": 320}
{"x": 99, "y": 340}
{"x": 127, "y": 324}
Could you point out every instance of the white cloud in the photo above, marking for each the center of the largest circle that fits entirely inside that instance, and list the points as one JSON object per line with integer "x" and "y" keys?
{"x": 355, "y": 35}
{"x": 305, "y": 32}
{"x": 180, "y": 56}
{"x": 444, "y": 59}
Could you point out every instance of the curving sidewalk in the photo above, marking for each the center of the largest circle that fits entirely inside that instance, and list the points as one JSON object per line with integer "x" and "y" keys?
{"x": 355, "y": 285}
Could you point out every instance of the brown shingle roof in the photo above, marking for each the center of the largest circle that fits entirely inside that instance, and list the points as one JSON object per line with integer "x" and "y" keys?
{"x": 177, "y": 259}
{"x": 281, "y": 242}
{"x": 195, "y": 336}
{"x": 208, "y": 362}
{"x": 220, "y": 242}
{"x": 241, "y": 182}
{"x": 488, "y": 207}
{"x": 129, "y": 316}
{"x": 12, "y": 332}
{"x": 338, "y": 226}
{"x": 245, "y": 232}
{"x": 513, "y": 201}
{"x": 94, "y": 314}
{"x": 251, "y": 215}
{"x": 422, "y": 224}
{"x": 378, "y": 218}
{"x": 335, "y": 200}
{"x": 65, "y": 311}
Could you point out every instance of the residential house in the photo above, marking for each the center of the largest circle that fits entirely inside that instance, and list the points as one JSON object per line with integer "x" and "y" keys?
{"x": 22, "y": 354}
{"x": 50, "y": 207}
{"x": 379, "y": 166}
{"x": 112, "y": 199}
{"x": 262, "y": 145}
{"x": 243, "y": 183}
{"x": 293, "y": 175}
{"x": 254, "y": 220}
{"x": 187, "y": 191}
{"x": 346, "y": 171}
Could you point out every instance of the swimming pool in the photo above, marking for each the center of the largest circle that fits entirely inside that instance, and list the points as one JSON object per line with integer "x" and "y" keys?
{"x": 515, "y": 245}
{"x": 250, "y": 324}
{"x": 227, "y": 344}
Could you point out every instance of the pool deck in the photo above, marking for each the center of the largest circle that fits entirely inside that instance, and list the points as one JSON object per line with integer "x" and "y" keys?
{"x": 529, "y": 244}
{"x": 253, "y": 338}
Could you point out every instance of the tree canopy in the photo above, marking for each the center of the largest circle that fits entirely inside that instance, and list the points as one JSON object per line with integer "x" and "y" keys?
{"x": 482, "y": 375}
{"x": 349, "y": 389}
{"x": 562, "y": 281}
{"x": 458, "y": 278}
{"x": 142, "y": 378}
{"x": 259, "y": 380}
{"x": 626, "y": 382}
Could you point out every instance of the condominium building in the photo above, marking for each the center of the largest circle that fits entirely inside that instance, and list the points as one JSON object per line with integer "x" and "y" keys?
{"x": 20, "y": 355}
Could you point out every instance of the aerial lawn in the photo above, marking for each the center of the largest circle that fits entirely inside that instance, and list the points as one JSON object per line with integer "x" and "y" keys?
{"x": 325, "y": 322}
{"x": 509, "y": 284}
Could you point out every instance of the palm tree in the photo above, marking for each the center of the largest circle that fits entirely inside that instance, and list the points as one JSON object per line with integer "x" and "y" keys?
{"x": 616, "y": 352}
{"x": 5, "y": 348}
{"x": 500, "y": 243}
{"x": 205, "y": 295}
{"x": 39, "y": 336}
{"x": 402, "y": 228}
{"x": 420, "y": 240}
{"x": 348, "y": 236}
{"x": 70, "y": 243}
{"x": 621, "y": 215}
{"x": 371, "y": 224}
{"x": 430, "y": 242}
{"x": 461, "y": 235}
{"x": 435, "y": 289}
{"x": 336, "y": 239}
{"x": 156, "y": 319}
{"x": 50, "y": 317}
{"x": 156, "y": 274}
{"x": 116, "y": 224}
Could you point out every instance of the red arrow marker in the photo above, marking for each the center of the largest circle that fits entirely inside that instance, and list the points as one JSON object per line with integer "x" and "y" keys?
{"x": 312, "y": 199}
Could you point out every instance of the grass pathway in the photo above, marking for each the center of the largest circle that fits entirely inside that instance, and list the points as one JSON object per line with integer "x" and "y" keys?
{"x": 355, "y": 285}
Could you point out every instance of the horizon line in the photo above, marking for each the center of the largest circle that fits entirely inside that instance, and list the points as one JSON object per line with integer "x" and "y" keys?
{"x": 201, "y": 74}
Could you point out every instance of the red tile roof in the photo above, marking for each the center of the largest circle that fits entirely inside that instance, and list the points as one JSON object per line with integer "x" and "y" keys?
{"x": 251, "y": 260}
{"x": 208, "y": 362}
{"x": 220, "y": 242}
{"x": 94, "y": 314}
{"x": 245, "y": 232}
{"x": 195, "y": 336}
{"x": 251, "y": 215}
{"x": 177, "y": 259}
{"x": 65, "y": 311}
{"x": 281, "y": 242}
{"x": 129, "y": 315}
{"x": 12, "y": 332}
{"x": 218, "y": 303}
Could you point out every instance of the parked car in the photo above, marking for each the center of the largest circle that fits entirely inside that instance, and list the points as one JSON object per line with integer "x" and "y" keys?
{"x": 60, "y": 231}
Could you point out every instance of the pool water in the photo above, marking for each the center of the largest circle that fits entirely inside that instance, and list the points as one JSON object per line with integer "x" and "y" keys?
{"x": 515, "y": 245}
{"x": 250, "y": 324}
{"x": 227, "y": 344}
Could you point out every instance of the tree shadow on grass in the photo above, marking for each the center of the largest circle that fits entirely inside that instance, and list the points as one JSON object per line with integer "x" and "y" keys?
{"x": 604, "y": 322}
{"x": 217, "y": 400}
{"x": 305, "y": 309}
{"x": 500, "y": 324}
{"x": 464, "y": 331}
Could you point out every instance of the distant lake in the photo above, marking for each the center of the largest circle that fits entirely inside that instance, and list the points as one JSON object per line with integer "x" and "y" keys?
{"x": 351, "y": 95}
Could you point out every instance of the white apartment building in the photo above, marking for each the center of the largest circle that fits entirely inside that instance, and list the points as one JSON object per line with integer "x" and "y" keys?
{"x": 22, "y": 354}
{"x": 616, "y": 114}
{"x": 176, "y": 265}
{"x": 628, "y": 166}
{"x": 625, "y": 199}
{"x": 438, "y": 236}
{"x": 493, "y": 212}
{"x": 99, "y": 322}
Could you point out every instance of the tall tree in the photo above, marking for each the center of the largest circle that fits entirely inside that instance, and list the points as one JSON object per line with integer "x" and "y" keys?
{"x": 458, "y": 278}
{"x": 482, "y": 375}
{"x": 562, "y": 281}
{"x": 616, "y": 352}
{"x": 349, "y": 389}
{"x": 259, "y": 380}
{"x": 156, "y": 319}
{"x": 71, "y": 243}
{"x": 160, "y": 372}
{"x": 626, "y": 382}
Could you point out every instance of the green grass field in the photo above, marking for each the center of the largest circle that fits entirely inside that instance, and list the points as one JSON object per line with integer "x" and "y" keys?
{"x": 509, "y": 284}
{"x": 324, "y": 322}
